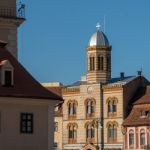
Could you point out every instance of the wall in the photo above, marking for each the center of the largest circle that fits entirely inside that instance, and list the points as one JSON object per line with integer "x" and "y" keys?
{"x": 10, "y": 136}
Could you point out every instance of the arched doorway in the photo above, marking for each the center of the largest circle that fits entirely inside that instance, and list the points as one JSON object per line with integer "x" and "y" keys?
{"x": 89, "y": 147}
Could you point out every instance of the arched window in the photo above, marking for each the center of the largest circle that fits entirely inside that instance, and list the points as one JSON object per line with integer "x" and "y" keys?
{"x": 100, "y": 63}
{"x": 72, "y": 133}
{"x": 131, "y": 138}
{"x": 92, "y": 63}
{"x": 90, "y": 134}
{"x": 112, "y": 106}
{"x": 112, "y": 133}
{"x": 72, "y": 108}
{"x": 142, "y": 137}
{"x": 90, "y": 107}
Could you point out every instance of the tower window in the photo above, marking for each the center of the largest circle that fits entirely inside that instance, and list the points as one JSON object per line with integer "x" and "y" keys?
{"x": 100, "y": 63}
{"x": 92, "y": 63}
{"x": 108, "y": 63}
{"x": 7, "y": 78}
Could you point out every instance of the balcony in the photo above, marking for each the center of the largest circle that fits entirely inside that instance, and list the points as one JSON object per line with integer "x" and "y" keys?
{"x": 11, "y": 13}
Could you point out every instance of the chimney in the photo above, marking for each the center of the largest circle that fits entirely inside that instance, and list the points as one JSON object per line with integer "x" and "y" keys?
{"x": 139, "y": 73}
{"x": 121, "y": 75}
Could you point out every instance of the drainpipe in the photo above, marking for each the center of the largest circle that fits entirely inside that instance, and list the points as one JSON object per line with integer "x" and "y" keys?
{"x": 102, "y": 116}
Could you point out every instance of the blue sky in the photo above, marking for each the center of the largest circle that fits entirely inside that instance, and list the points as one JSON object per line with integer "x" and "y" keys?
{"x": 53, "y": 39}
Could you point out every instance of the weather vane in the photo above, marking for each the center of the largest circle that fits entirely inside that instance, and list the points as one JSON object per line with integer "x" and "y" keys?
{"x": 98, "y": 26}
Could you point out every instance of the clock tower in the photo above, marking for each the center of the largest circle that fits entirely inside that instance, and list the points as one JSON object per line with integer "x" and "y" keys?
{"x": 11, "y": 17}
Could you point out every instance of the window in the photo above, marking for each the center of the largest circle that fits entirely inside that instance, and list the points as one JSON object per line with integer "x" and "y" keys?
{"x": 112, "y": 133}
{"x": 7, "y": 78}
{"x": 100, "y": 63}
{"x": 72, "y": 106}
{"x": 143, "y": 114}
{"x": 131, "y": 138}
{"x": 55, "y": 146}
{"x": 26, "y": 123}
{"x": 112, "y": 107}
{"x": 56, "y": 126}
{"x": 92, "y": 63}
{"x": 108, "y": 63}
{"x": 72, "y": 133}
{"x": 7, "y": 73}
{"x": 90, "y": 131}
{"x": 90, "y": 107}
{"x": 142, "y": 137}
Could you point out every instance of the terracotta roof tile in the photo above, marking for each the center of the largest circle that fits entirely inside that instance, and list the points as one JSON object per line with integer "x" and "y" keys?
{"x": 135, "y": 118}
{"x": 142, "y": 103}
{"x": 24, "y": 84}
{"x": 145, "y": 98}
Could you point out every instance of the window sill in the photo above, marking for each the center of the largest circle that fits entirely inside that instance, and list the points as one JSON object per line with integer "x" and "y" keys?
{"x": 72, "y": 141}
{"x": 89, "y": 116}
{"x": 72, "y": 117}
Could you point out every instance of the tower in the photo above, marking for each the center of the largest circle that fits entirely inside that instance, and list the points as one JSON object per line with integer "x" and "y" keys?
{"x": 98, "y": 58}
{"x": 11, "y": 17}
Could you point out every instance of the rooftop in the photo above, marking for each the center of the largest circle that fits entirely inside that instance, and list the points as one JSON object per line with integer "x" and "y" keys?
{"x": 25, "y": 86}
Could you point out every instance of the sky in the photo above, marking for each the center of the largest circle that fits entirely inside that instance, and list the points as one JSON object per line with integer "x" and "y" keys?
{"x": 52, "y": 41}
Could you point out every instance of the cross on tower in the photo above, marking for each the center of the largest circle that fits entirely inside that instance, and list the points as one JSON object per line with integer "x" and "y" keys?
{"x": 98, "y": 26}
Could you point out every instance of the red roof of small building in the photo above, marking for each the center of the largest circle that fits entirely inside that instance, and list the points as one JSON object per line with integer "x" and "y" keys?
{"x": 144, "y": 99}
{"x": 142, "y": 104}
{"x": 25, "y": 86}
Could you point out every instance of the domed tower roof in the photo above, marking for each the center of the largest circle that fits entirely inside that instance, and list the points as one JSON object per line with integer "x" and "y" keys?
{"x": 98, "y": 39}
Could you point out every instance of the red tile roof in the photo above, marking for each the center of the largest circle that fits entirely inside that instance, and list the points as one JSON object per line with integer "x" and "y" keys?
{"x": 141, "y": 104}
{"x": 145, "y": 99}
{"x": 25, "y": 86}
{"x": 56, "y": 90}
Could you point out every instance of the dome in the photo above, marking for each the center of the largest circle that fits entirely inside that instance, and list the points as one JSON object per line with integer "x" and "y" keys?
{"x": 98, "y": 39}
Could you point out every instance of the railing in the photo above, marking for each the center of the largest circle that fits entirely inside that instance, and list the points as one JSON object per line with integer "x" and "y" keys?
{"x": 13, "y": 13}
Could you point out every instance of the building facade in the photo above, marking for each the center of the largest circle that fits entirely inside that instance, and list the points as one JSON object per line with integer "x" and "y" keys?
{"x": 26, "y": 108}
{"x": 94, "y": 107}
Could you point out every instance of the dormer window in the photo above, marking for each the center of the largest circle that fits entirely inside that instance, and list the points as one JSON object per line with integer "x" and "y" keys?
{"x": 7, "y": 78}
{"x": 144, "y": 114}
{"x": 6, "y": 73}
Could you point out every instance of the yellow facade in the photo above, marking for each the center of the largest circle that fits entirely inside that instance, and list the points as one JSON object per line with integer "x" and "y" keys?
{"x": 95, "y": 107}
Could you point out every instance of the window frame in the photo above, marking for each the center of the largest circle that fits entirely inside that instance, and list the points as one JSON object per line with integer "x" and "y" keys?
{"x": 56, "y": 126}
{"x": 90, "y": 107}
{"x": 25, "y": 128}
{"x": 112, "y": 133}
{"x": 92, "y": 63}
{"x": 72, "y": 133}
{"x": 142, "y": 137}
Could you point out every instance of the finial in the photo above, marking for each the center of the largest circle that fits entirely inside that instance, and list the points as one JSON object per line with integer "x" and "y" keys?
{"x": 98, "y": 26}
